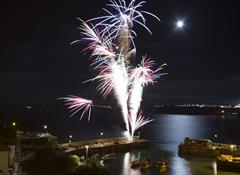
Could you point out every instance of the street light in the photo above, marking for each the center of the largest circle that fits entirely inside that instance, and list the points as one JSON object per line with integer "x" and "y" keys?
{"x": 87, "y": 147}
{"x": 13, "y": 124}
{"x": 101, "y": 133}
{"x": 45, "y": 128}
{"x": 70, "y": 137}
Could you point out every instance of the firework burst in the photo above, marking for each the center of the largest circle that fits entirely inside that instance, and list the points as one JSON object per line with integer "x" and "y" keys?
{"x": 75, "y": 104}
{"x": 120, "y": 15}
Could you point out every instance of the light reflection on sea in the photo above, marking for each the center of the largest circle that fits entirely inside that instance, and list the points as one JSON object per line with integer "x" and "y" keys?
{"x": 166, "y": 132}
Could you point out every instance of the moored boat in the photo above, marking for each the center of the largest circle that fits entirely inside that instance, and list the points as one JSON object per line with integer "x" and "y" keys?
{"x": 228, "y": 163}
{"x": 142, "y": 163}
{"x": 111, "y": 156}
{"x": 145, "y": 164}
{"x": 136, "y": 163}
{"x": 162, "y": 165}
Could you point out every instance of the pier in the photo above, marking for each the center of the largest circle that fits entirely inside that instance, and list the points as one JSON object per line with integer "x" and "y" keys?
{"x": 206, "y": 148}
{"x": 99, "y": 146}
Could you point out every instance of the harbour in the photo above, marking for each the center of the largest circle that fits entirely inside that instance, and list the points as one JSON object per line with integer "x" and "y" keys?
{"x": 162, "y": 144}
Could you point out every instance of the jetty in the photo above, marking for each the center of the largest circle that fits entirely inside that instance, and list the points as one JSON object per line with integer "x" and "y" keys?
{"x": 206, "y": 148}
{"x": 100, "y": 146}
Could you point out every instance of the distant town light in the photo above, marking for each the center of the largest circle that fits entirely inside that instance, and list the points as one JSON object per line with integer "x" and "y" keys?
{"x": 14, "y": 124}
{"x": 237, "y": 106}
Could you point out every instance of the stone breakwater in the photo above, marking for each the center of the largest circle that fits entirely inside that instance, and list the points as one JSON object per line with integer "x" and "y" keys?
{"x": 206, "y": 148}
{"x": 108, "y": 145}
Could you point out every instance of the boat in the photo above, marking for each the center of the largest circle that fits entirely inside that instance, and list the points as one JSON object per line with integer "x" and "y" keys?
{"x": 146, "y": 163}
{"x": 162, "y": 165}
{"x": 111, "y": 156}
{"x": 95, "y": 157}
{"x": 142, "y": 163}
{"x": 228, "y": 163}
{"x": 136, "y": 163}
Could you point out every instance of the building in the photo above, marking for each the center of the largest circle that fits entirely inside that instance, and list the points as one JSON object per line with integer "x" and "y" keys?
{"x": 4, "y": 157}
{"x": 7, "y": 150}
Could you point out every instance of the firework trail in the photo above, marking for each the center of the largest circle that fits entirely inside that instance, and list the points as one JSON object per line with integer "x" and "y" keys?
{"x": 114, "y": 77}
{"x": 113, "y": 72}
{"x": 120, "y": 84}
{"x": 141, "y": 76}
{"x": 100, "y": 46}
{"x": 139, "y": 121}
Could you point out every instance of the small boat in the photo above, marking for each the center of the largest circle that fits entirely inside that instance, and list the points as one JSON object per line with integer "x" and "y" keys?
{"x": 228, "y": 163}
{"x": 162, "y": 165}
{"x": 136, "y": 163}
{"x": 111, "y": 156}
{"x": 146, "y": 163}
{"x": 142, "y": 163}
{"x": 95, "y": 157}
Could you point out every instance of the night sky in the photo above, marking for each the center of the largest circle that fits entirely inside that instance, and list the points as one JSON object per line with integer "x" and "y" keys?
{"x": 38, "y": 64}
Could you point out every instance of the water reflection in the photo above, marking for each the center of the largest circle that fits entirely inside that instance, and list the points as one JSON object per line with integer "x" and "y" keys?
{"x": 214, "y": 164}
{"x": 180, "y": 166}
{"x": 166, "y": 132}
{"x": 127, "y": 170}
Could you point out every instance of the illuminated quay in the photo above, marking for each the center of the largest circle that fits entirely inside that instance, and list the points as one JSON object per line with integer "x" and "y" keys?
{"x": 206, "y": 148}
{"x": 108, "y": 145}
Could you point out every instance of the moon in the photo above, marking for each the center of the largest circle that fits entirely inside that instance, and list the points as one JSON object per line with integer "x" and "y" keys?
{"x": 180, "y": 24}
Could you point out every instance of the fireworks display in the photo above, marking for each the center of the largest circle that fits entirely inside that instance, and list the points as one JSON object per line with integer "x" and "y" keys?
{"x": 110, "y": 41}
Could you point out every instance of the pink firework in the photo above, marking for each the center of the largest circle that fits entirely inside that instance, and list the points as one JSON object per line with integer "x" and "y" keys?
{"x": 139, "y": 122}
{"x": 75, "y": 104}
{"x": 100, "y": 46}
{"x": 145, "y": 72}
{"x": 105, "y": 78}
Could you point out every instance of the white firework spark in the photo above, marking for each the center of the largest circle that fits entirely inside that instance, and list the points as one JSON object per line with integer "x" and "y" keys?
{"x": 141, "y": 76}
{"x": 139, "y": 121}
{"x": 114, "y": 77}
{"x": 75, "y": 104}
{"x": 122, "y": 15}
{"x": 100, "y": 46}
